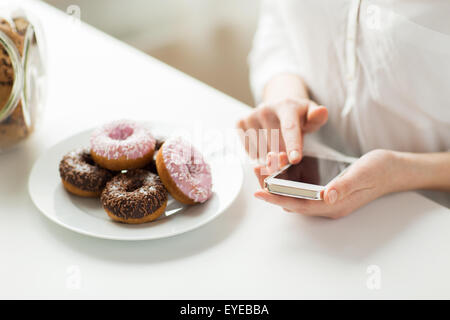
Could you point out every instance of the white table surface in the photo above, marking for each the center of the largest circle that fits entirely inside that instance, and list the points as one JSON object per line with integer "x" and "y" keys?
{"x": 253, "y": 250}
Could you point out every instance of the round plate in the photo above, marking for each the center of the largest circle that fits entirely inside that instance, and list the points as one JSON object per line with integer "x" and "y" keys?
{"x": 86, "y": 216}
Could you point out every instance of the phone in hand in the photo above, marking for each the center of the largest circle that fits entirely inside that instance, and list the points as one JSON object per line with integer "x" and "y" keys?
{"x": 306, "y": 179}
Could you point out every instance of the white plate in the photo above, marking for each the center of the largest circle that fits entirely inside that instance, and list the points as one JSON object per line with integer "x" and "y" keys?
{"x": 87, "y": 217}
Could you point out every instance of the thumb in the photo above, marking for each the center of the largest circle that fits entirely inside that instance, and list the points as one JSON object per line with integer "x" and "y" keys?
{"x": 339, "y": 189}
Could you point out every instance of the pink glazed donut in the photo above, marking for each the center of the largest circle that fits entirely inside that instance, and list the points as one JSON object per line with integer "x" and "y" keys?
{"x": 184, "y": 172}
{"x": 122, "y": 145}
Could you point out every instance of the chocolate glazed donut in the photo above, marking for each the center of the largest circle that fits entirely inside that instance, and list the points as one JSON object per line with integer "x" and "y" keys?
{"x": 135, "y": 196}
{"x": 81, "y": 176}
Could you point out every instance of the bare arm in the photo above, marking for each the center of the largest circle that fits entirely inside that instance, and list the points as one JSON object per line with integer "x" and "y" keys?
{"x": 285, "y": 86}
{"x": 424, "y": 170}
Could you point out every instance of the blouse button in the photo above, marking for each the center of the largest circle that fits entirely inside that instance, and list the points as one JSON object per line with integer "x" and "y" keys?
{"x": 373, "y": 14}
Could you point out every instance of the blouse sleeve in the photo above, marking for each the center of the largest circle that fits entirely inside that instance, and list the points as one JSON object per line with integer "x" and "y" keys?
{"x": 272, "y": 52}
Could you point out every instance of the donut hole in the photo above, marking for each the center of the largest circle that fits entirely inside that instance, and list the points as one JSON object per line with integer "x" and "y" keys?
{"x": 87, "y": 158}
{"x": 134, "y": 185}
{"x": 194, "y": 169}
{"x": 121, "y": 133}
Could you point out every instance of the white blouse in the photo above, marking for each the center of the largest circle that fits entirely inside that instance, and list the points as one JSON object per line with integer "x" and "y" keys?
{"x": 381, "y": 67}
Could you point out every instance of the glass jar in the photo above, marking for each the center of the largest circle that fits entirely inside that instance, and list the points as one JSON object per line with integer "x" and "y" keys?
{"x": 22, "y": 75}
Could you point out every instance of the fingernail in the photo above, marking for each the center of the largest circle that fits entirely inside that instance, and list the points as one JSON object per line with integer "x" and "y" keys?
{"x": 259, "y": 197}
{"x": 332, "y": 196}
{"x": 294, "y": 155}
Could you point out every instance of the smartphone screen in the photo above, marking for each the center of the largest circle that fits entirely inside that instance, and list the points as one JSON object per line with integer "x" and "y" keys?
{"x": 313, "y": 171}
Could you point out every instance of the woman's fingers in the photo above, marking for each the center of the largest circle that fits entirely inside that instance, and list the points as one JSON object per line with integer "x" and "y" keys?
{"x": 346, "y": 184}
{"x": 263, "y": 171}
{"x": 253, "y": 124}
{"x": 369, "y": 173}
{"x": 249, "y": 128}
{"x": 270, "y": 122}
{"x": 274, "y": 162}
{"x": 242, "y": 126}
{"x": 258, "y": 142}
{"x": 282, "y": 201}
{"x": 258, "y": 170}
{"x": 284, "y": 124}
{"x": 316, "y": 117}
{"x": 358, "y": 185}
{"x": 340, "y": 188}
{"x": 291, "y": 132}
{"x": 271, "y": 164}
{"x": 283, "y": 159}
{"x": 303, "y": 206}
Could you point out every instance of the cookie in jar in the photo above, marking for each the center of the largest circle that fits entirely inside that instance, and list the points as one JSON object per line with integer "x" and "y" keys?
{"x": 22, "y": 77}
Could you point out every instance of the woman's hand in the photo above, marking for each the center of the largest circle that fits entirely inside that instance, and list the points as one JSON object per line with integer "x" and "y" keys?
{"x": 287, "y": 113}
{"x": 291, "y": 118}
{"x": 370, "y": 177}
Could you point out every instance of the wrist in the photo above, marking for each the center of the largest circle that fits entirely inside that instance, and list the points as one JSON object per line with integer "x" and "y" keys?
{"x": 421, "y": 171}
{"x": 285, "y": 85}
{"x": 401, "y": 180}
{"x": 286, "y": 101}
{"x": 390, "y": 171}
